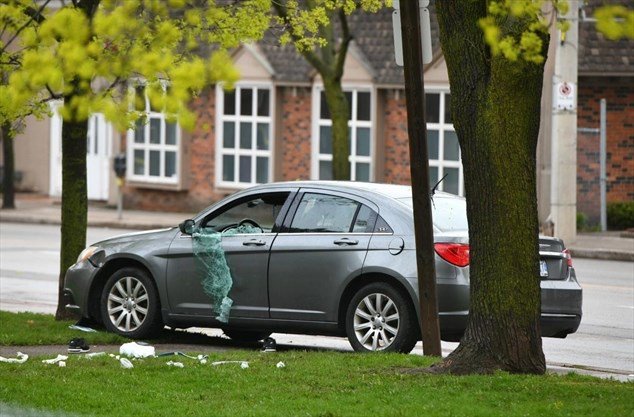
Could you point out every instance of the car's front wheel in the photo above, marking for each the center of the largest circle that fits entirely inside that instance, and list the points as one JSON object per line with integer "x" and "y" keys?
{"x": 380, "y": 318}
{"x": 130, "y": 304}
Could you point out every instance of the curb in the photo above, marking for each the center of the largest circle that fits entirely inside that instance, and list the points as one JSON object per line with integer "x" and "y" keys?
{"x": 603, "y": 254}
{"x": 112, "y": 224}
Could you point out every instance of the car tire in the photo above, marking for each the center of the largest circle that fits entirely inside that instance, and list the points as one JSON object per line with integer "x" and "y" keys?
{"x": 130, "y": 304}
{"x": 246, "y": 336}
{"x": 392, "y": 327}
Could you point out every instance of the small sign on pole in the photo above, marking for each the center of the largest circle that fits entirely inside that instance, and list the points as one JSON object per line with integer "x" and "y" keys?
{"x": 564, "y": 96}
{"x": 425, "y": 30}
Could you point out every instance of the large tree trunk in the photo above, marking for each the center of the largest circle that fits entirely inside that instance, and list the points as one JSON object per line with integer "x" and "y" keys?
{"x": 8, "y": 168}
{"x": 495, "y": 108}
{"x": 339, "y": 110}
{"x": 74, "y": 201}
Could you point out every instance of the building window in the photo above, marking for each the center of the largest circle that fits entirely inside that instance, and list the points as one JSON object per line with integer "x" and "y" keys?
{"x": 153, "y": 145}
{"x": 360, "y": 134}
{"x": 442, "y": 144}
{"x": 244, "y": 136}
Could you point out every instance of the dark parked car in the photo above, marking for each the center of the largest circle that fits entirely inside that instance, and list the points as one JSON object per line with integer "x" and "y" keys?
{"x": 329, "y": 258}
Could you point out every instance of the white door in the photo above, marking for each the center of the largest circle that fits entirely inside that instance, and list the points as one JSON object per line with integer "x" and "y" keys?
{"x": 97, "y": 156}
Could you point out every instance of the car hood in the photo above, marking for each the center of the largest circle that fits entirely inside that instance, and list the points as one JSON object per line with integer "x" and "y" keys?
{"x": 136, "y": 237}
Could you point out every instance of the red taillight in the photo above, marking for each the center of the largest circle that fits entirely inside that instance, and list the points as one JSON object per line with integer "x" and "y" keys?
{"x": 566, "y": 253}
{"x": 454, "y": 253}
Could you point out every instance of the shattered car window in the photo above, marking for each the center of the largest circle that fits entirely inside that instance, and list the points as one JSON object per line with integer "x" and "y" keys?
{"x": 255, "y": 215}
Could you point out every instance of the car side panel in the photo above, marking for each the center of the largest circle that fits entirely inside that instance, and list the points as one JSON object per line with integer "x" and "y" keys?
{"x": 307, "y": 270}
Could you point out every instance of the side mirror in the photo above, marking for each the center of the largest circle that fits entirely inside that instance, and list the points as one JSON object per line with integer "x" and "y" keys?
{"x": 187, "y": 227}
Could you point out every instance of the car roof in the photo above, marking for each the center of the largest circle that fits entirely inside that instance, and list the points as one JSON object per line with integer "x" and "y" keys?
{"x": 392, "y": 191}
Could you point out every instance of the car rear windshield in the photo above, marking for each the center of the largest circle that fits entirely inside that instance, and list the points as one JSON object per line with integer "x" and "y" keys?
{"x": 449, "y": 214}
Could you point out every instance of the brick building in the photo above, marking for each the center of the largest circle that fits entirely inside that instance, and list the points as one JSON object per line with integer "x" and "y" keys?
{"x": 275, "y": 126}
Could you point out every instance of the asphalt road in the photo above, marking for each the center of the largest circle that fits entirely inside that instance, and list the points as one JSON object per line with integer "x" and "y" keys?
{"x": 29, "y": 262}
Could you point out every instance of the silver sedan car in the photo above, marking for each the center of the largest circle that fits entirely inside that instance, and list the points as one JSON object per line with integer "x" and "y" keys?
{"x": 313, "y": 257}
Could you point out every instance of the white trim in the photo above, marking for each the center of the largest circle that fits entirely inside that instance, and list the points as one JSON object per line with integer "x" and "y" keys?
{"x": 441, "y": 127}
{"x": 147, "y": 147}
{"x": 353, "y": 124}
{"x": 237, "y": 152}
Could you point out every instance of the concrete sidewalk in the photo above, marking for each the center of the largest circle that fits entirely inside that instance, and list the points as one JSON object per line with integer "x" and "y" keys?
{"x": 32, "y": 208}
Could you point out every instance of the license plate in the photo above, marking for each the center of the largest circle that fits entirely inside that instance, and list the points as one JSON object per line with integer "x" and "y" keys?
{"x": 543, "y": 269}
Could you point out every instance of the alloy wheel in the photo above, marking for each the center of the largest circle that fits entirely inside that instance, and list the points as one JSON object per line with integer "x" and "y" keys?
{"x": 128, "y": 304}
{"x": 376, "y": 321}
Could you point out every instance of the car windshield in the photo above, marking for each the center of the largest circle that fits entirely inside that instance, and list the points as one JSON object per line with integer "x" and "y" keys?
{"x": 449, "y": 214}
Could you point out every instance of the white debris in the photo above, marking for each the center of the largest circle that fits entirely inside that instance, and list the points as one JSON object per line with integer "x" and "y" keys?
{"x": 117, "y": 357}
{"x": 82, "y": 328}
{"x": 21, "y": 358}
{"x": 61, "y": 364}
{"x": 175, "y": 364}
{"x": 126, "y": 363}
{"x": 280, "y": 365}
{"x": 203, "y": 361}
{"x": 59, "y": 358}
{"x": 243, "y": 364}
{"x": 137, "y": 350}
{"x": 111, "y": 355}
{"x": 94, "y": 354}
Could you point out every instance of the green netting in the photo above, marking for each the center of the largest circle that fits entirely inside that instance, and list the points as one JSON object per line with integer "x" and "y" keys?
{"x": 217, "y": 281}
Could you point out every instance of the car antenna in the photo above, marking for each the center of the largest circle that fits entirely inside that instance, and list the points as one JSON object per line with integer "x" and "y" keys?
{"x": 435, "y": 187}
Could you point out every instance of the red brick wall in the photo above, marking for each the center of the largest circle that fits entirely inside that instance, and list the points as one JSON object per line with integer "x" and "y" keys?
{"x": 396, "y": 151}
{"x": 198, "y": 163}
{"x": 295, "y": 133}
{"x": 619, "y": 94}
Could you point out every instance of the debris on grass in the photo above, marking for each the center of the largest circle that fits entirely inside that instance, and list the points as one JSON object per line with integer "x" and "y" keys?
{"x": 82, "y": 328}
{"x": 125, "y": 363}
{"x": 57, "y": 359}
{"x": 175, "y": 364}
{"x": 61, "y": 364}
{"x": 20, "y": 358}
{"x": 281, "y": 365}
{"x": 94, "y": 354}
{"x": 137, "y": 350}
{"x": 243, "y": 364}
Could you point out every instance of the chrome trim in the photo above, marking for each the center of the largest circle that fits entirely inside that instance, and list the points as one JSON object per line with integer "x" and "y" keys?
{"x": 559, "y": 315}
{"x": 553, "y": 254}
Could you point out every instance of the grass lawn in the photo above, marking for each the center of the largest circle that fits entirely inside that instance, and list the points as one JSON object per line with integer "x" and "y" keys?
{"x": 41, "y": 329}
{"x": 311, "y": 384}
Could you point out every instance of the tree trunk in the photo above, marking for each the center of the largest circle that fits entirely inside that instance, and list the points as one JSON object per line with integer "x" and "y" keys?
{"x": 74, "y": 202}
{"x": 8, "y": 168}
{"x": 339, "y": 110}
{"x": 496, "y": 108}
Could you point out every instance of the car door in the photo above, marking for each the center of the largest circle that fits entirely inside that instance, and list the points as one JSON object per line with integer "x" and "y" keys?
{"x": 323, "y": 243}
{"x": 246, "y": 253}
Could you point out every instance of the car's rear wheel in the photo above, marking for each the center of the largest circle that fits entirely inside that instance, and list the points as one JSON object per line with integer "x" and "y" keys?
{"x": 380, "y": 318}
{"x": 130, "y": 304}
{"x": 246, "y": 336}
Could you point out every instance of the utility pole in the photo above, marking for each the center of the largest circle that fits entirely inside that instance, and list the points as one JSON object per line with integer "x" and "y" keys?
{"x": 563, "y": 184}
{"x": 419, "y": 166}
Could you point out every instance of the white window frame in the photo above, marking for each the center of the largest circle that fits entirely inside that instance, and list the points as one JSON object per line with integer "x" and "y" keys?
{"x": 254, "y": 119}
{"x": 353, "y": 124}
{"x": 162, "y": 147}
{"x": 443, "y": 127}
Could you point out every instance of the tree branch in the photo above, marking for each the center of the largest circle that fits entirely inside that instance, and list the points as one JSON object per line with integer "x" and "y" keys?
{"x": 310, "y": 56}
{"x": 345, "y": 43}
{"x": 35, "y": 15}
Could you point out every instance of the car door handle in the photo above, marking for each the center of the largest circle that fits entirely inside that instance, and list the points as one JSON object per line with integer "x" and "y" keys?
{"x": 254, "y": 242}
{"x": 346, "y": 241}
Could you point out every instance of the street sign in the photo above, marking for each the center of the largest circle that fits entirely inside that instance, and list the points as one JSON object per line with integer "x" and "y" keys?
{"x": 425, "y": 29}
{"x": 564, "y": 96}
